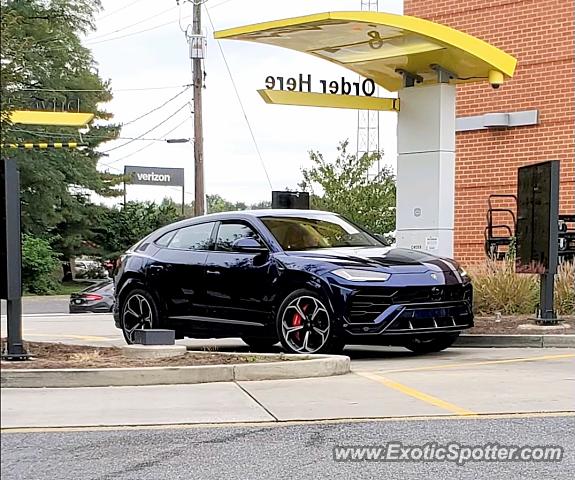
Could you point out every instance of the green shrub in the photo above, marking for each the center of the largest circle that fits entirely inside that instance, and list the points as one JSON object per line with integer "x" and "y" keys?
{"x": 565, "y": 289}
{"x": 38, "y": 264}
{"x": 497, "y": 288}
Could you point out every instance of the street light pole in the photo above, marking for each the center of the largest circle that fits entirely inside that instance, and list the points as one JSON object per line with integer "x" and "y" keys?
{"x": 196, "y": 55}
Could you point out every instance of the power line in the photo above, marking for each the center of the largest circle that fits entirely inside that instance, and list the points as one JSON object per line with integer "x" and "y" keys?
{"x": 149, "y": 145}
{"x": 218, "y": 4}
{"x": 127, "y": 27}
{"x": 156, "y": 108}
{"x": 101, "y": 89}
{"x": 113, "y": 12}
{"x": 109, "y": 165}
{"x": 241, "y": 104}
{"x": 147, "y": 131}
{"x": 134, "y": 33}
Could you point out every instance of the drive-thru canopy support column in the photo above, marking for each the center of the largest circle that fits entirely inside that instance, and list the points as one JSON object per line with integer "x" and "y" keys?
{"x": 426, "y": 168}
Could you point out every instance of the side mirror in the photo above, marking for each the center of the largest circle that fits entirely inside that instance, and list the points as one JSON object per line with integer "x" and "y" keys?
{"x": 385, "y": 239}
{"x": 248, "y": 245}
{"x": 381, "y": 238}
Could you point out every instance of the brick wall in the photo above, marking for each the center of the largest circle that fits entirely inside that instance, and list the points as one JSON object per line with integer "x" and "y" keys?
{"x": 540, "y": 34}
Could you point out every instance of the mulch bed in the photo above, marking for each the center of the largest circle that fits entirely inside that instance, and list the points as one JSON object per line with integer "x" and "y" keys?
{"x": 58, "y": 355}
{"x": 520, "y": 325}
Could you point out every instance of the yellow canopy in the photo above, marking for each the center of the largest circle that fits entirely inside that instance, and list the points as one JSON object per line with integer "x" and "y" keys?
{"x": 61, "y": 119}
{"x": 375, "y": 45}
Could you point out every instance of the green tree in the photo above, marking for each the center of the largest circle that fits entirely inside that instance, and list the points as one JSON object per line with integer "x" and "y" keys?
{"x": 216, "y": 204}
{"x": 117, "y": 229}
{"x": 347, "y": 189}
{"x": 39, "y": 263}
{"x": 44, "y": 63}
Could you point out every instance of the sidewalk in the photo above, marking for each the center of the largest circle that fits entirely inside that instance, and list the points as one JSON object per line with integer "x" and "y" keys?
{"x": 458, "y": 382}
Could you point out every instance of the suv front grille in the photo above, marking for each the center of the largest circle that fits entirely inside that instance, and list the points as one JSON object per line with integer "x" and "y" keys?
{"x": 454, "y": 316}
{"x": 367, "y": 304}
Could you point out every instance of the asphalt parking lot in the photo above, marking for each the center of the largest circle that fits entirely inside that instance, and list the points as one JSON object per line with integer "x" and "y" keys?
{"x": 292, "y": 451}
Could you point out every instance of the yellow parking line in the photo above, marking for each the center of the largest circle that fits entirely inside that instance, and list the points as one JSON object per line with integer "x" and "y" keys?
{"x": 488, "y": 362}
{"x": 412, "y": 392}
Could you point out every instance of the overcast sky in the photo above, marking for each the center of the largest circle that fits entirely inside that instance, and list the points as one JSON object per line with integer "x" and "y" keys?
{"x": 158, "y": 57}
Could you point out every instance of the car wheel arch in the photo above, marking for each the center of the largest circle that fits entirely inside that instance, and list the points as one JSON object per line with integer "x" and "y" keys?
{"x": 132, "y": 282}
{"x": 310, "y": 282}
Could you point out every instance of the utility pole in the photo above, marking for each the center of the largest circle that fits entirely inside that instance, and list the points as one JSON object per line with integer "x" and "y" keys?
{"x": 196, "y": 42}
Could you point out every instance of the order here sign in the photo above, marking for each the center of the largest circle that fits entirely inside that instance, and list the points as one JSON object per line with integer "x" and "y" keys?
{"x": 154, "y": 175}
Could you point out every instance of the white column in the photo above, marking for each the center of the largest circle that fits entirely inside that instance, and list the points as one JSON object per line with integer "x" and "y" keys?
{"x": 426, "y": 168}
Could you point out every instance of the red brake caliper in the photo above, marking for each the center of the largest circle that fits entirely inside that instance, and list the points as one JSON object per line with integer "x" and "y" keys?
{"x": 296, "y": 322}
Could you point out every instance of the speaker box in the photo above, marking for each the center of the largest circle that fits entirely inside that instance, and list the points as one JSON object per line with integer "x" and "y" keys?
{"x": 537, "y": 218}
{"x": 10, "y": 241}
{"x": 298, "y": 200}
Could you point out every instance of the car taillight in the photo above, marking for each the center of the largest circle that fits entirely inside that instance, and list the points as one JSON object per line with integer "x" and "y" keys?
{"x": 91, "y": 296}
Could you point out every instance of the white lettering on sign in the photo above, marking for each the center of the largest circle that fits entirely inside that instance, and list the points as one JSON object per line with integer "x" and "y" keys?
{"x": 303, "y": 83}
{"x": 153, "y": 177}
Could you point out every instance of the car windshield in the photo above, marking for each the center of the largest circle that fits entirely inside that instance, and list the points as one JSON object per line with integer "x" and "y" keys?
{"x": 325, "y": 231}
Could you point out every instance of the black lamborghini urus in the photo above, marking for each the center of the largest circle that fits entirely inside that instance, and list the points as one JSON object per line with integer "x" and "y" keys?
{"x": 311, "y": 280}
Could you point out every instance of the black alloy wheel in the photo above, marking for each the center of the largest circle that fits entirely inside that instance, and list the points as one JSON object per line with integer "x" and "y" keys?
{"x": 138, "y": 311}
{"x": 305, "y": 325}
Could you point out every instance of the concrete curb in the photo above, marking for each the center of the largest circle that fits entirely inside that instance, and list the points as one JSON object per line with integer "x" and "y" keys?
{"x": 516, "y": 341}
{"x": 309, "y": 366}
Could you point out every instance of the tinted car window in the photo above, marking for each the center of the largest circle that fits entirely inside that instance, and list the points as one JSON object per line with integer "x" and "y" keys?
{"x": 228, "y": 233}
{"x": 194, "y": 237}
{"x": 164, "y": 240}
{"x": 327, "y": 231}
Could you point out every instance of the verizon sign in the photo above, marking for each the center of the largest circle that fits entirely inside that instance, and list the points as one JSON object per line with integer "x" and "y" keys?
{"x": 154, "y": 175}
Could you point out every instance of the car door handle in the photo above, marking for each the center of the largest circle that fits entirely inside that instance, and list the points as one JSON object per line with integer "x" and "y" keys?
{"x": 213, "y": 272}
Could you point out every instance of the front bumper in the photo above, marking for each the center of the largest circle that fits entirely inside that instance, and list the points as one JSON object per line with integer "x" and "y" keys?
{"x": 408, "y": 311}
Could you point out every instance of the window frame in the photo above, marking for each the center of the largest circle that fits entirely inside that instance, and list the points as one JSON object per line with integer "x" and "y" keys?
{"x": 176, "y": 230}
{"x": 241, "y": 222}
{"x": 172, "y": 232}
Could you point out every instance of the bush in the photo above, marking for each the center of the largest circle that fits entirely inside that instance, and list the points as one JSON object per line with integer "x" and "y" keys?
{"x": 565, "y": 289}
{"x": 497, "y": 288}
{"x": 39, "y": 262}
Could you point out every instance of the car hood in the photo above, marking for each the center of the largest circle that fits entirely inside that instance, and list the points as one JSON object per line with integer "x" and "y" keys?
{"x": 384, "y": 258}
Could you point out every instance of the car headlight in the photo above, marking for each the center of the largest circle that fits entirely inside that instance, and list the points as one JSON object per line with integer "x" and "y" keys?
{"x": 357, "y": 275}
{"x": 464, "y": 274}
